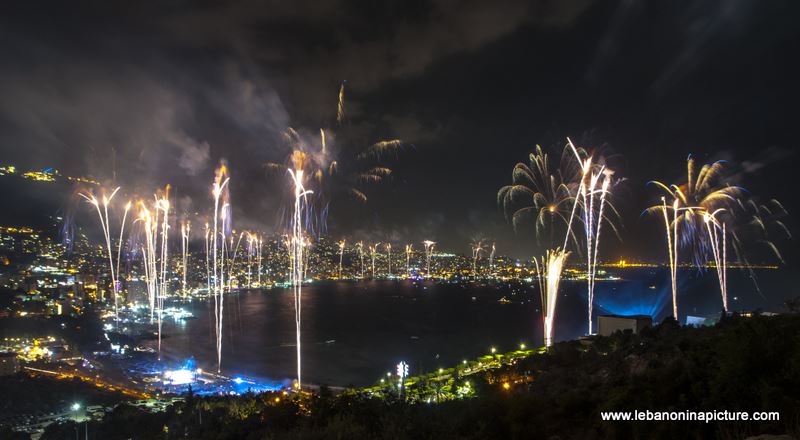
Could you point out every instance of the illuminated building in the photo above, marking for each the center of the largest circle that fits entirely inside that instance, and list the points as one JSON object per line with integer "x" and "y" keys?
{"x": 609, "y": 324}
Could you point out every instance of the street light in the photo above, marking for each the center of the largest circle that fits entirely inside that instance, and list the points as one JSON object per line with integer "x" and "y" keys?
{"x": 75, "y": 408}
{"x": 402, "y": 369}
{"x": 402, "y": 372}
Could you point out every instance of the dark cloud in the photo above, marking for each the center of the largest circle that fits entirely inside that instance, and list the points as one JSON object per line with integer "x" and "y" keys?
{"x": 171, "y": 90}
{"x": 152, "y": 93}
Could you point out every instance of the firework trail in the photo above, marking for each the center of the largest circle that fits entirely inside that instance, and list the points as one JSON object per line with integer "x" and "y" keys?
{"x": 591, "y": 197}
{"x": 252, "y": 256}
{"x": 409, "y": 250}
{"x": 163, "y": 204}
{"x": 549, "y": 269}
{"x": 477, "y": 248}
{"x": 592, "y": 225}
{"x": 231, "y": 252}
{"x": 428, "y": 252}
{"x": 599, "y": 223}
{"x": 155, "y": 254}
{"x": 119, "y": 243}
{"x": 106, "y": 227}
{"x": 208, "y": 261}
{"x": 218, "y": 191}
{"x": 224, "y": 250}
{"x": 251, "y": 251}
{"x": 341, "y": 256}
{"x": 258, "y": 258}
{"x": 185, "y": 230}
{"x": 340, "y": 115}
{"x": 148, "y": 255}
{"x": 307, "y": 253}
{"x": 297, "y": 242}
{"x": 716, "y": 228}
{"x": 389, "y": 257}
{"x": 592, "y": 221}
{"x": 373, "y": 251}
{"x": 234, "y": 252}
{"x": 585, "y": 167}
{"x": 223, "y": 257}
{"x": 232, "y": 263}
{"x": 672, "y": 249}
{"x": 287, "y": 241}
{"x": 491, "y": 257}
{"x": 360, "y": 247}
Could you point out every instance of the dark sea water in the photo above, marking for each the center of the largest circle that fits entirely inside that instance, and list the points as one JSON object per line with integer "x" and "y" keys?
{"x": 353, "y": 333}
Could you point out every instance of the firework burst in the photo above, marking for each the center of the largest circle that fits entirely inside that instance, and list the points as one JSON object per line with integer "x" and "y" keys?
{"x": 336, "y": 167}
{"x": 542, "y": 191}
{"x": 703, "y": 192}
{"x": 709, "y": 214}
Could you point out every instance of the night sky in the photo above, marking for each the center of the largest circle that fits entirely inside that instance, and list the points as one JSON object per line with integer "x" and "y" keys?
{"x": 145, "y": 95}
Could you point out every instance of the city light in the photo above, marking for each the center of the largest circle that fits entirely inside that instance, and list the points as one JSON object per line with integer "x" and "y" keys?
{"x": 181, "y": 376}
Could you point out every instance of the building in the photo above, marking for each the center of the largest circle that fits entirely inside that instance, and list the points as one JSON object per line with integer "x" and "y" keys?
{"x": 702, "y": 321}
{"x": 608, "y": 324}
{"x": 9, "y": 364}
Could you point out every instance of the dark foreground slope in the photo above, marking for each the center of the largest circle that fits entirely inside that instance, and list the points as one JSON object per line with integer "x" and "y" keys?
{"x": 742, "y": 364}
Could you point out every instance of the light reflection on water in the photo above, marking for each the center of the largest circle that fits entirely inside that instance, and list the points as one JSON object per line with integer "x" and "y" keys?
{"x": 353, "y": 333}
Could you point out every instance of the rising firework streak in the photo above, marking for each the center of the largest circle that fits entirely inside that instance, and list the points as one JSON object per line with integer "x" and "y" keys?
{"x": 297, "y": 260}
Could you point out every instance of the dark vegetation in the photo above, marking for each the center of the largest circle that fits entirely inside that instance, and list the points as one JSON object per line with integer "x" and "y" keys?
{"x": 34, "y": 396}
{"x": 741, "y": 364}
